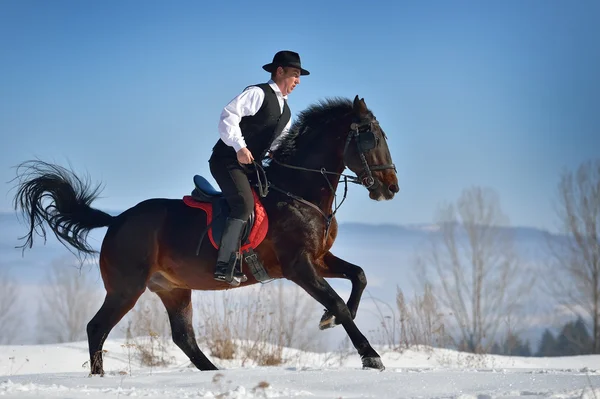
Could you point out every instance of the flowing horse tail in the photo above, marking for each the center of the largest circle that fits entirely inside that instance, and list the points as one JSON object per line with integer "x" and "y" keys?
{"x": 52, "y": 194}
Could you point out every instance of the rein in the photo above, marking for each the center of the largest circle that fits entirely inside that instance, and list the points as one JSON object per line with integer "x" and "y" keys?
{"x": 263, "y": 189}
{"x": 323, "y": 171}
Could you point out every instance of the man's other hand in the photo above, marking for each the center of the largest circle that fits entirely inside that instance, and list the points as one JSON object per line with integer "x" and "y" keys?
{"x": 244, "y": 156}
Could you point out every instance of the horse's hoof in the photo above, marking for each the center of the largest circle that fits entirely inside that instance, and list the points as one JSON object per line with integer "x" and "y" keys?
{"x": 327, "y": 321}
{"x": 372, "y": 363}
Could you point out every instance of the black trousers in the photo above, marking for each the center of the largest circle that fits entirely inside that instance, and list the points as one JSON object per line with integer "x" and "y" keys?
{"x": 235, "y": 186}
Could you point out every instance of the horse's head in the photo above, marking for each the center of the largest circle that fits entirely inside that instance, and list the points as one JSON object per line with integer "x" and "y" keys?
{"x": 366, "y": 153}
{"x": 348, "y": 129}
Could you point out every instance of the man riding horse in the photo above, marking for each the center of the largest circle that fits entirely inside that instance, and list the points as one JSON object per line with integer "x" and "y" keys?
{"x": 250, "y": 125}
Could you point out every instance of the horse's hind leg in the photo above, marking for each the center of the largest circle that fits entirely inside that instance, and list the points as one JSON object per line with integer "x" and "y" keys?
{"x": 339, "y": 268}
{"x": 179, "y": 307}
{"x": 115, "y": 306}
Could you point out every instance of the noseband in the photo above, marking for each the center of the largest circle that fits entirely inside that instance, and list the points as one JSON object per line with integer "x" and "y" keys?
{"x": 365, "y": 141}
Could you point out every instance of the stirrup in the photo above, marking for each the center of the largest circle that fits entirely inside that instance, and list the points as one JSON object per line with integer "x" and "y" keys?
{"x": 234, "y": 281}
{"x": 228, "y": 273}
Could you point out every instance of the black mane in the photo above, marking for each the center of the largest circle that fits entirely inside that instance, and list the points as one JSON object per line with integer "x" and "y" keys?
{"x": 311, "y": 122}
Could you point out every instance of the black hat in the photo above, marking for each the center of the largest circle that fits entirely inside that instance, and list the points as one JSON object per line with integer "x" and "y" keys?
{"x": 283, "y": 59}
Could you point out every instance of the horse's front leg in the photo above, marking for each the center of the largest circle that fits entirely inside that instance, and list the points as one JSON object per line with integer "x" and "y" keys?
{"x": 302, "y": 271}
{"x": 339, "y": 268}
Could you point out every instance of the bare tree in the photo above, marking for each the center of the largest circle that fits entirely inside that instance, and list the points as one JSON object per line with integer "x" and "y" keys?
{"x": 10, "y": 316}
{"x": 69, "y": 300}
{"x": 575, "y": 277}
{"x": 472, "y": 267}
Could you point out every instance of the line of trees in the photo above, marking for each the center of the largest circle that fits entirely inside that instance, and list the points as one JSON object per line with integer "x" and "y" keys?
{"x": 572, "y": 339}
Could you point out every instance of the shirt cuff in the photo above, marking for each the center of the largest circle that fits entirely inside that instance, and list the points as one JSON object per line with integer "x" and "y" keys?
{"x": 238, "y": 145}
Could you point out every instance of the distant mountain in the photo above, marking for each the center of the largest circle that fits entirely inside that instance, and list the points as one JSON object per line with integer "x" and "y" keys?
{"x": 373, "y": 246}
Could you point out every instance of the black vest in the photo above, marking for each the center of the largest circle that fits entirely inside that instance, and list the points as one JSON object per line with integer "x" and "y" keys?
{"x": 260, "y": 129}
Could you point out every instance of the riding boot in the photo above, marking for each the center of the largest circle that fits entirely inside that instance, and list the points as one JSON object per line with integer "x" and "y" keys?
{"x": 228, "y": 253}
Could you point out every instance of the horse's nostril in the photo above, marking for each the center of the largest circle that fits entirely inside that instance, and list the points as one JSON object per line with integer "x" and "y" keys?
{"x": 394, "y": 188}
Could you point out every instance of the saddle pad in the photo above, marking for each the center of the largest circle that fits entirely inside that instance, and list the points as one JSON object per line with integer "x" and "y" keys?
{"x": 259, "y": 229}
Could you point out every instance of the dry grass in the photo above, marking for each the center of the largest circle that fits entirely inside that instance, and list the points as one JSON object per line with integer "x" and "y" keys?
{"x": 415, "y": 322}
{"x": 255, "y": 324}
{"x": 149, "y": 332}
{"x": 421, "y": 320}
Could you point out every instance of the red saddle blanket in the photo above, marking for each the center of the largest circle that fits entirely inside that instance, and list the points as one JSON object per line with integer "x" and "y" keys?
{"x": 257, "y": 233}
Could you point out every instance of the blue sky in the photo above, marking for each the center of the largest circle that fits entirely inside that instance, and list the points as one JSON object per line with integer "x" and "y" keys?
{"x": 500, "y": 94}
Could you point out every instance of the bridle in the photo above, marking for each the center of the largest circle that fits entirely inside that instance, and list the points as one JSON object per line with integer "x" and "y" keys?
{"x": 366, "y": 141}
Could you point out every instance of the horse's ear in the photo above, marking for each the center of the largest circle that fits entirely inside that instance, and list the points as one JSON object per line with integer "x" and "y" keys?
{"x": 359, "y": 106}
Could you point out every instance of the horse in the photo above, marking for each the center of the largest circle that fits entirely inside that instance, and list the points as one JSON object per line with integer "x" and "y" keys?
{"x": 160, "y": 243}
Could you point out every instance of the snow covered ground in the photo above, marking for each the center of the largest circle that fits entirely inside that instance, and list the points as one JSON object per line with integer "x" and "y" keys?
{"x": 62, "y": 371}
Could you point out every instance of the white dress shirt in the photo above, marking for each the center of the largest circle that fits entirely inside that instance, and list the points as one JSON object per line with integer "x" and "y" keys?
{"x": 247, "y": 103}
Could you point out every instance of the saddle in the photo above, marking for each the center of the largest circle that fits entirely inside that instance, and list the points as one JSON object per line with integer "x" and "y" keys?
{"x": 206, "y": 193}
{"x": 204, "y": 196}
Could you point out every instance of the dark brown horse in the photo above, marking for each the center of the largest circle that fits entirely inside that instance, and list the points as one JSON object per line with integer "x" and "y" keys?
{"x": 155, "y": 244}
